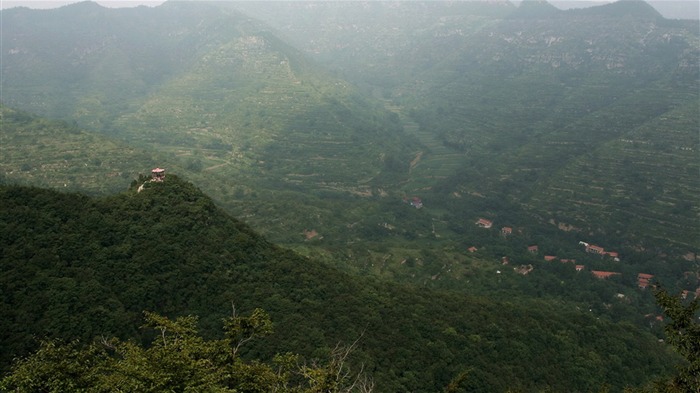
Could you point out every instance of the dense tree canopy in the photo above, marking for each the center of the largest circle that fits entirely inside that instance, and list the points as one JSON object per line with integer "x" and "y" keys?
{"x": 77, "y": 268}
{"x": 179, "y": 360}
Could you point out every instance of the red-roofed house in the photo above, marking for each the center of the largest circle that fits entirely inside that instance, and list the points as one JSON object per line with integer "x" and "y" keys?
{"x": 533, "y": 249}
{"x": 310, "y": 234}
{"x": 592, "y": 248}
{"x": 416, "y": 202}
{"x": 643, "y": 280}
{"x": 484, "y": 223}
{"x": 472, "y": 249}
{"x": 505, "y": 231}
{"x": 549, "y": 258}
{"x": 602, "y": 274}
{"x": 580, "y": 267}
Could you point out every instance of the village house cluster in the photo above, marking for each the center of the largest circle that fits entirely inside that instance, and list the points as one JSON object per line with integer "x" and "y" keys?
{"x": 644, "y": 280}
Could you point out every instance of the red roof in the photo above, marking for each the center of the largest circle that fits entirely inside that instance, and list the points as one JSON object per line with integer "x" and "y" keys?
{"x": 532, "y": 248}
{"x": 603, "y": 274}
{"x": 158, "y": 170}
{"x": 595, "y": 249}
{"x": 550, "y": 257}
{"x": 484, "y": 223}
{"x": 645, "y": 276}
{"x": 580, "y": 267}
{"x": 310, "y": 234}
{"x": 507, "y": 230}
{"x": 472, "y": 249}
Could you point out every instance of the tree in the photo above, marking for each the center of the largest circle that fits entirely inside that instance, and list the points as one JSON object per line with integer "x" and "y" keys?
{"x": 683, "y": 333}
{"x": 179, "y": 360}
{"x": 336, "y": 376}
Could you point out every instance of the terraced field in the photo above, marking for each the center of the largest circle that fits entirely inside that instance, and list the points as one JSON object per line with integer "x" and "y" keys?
{"x": 433, "y": 162}
{"x": 57, "y": 155}
{"x": 646, "y": 178}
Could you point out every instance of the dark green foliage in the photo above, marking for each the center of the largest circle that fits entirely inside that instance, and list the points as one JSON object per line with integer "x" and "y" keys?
{"x": 78, "y": 268}
{"x": 566, "y": 126}
{"x": 178, "y": 360}
{"x": 683, "y": 333}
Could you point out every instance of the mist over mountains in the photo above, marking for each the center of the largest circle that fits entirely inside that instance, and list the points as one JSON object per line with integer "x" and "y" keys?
{"x": 377, "y": 139}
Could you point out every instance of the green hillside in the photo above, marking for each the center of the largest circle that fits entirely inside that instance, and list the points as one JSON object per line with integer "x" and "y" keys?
{"x": 317, "y": 123}
{"x": 531, "y": 117}
{"x": 59, "y": 155}
{"x": 528, "y": 92}
{"x": 79, "y": 267}
{"x": 246, "y": 115}
{"x": 539, "y": 102}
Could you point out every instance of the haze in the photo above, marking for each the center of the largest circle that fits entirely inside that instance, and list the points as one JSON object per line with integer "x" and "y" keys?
{"x": 672, "y": 9}
{"x": 46, "y": 4}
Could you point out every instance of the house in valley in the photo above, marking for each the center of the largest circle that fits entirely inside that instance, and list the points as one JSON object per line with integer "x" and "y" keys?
{"x": 593, "y": 249}
{"x": 484, "y": 223}
{"x": 416, "y": 202}
{"x": 603, "y": 274}
{"x": 643, "y": 280}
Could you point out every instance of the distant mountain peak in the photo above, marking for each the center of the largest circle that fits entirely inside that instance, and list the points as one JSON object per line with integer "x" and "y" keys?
{"x": 534, "y": 9}
{"x": 631, "y": 8}
{"x": 87, "y": 4}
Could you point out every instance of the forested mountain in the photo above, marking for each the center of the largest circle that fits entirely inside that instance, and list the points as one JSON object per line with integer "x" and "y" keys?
{"x": 471, "y": 169}
{"x": 246, "y": 114}
{"x": 534, "y": 100}
{"x": 80, "y": 267}
{"x": 530, "y": 116}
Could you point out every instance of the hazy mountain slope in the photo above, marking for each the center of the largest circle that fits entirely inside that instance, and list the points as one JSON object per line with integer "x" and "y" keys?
{"x": 533, "y": 96}
{"x": 507, "y": 109}
{"x": 59, "y": 155}
{"x": 246, "y": 114}
{"x": 379, "y": 44}
{"x": 525, "y": 116}
{"x": 671, "y": 9}
{"x": 78, "y": 267}
{"x": 646, "y": 178}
